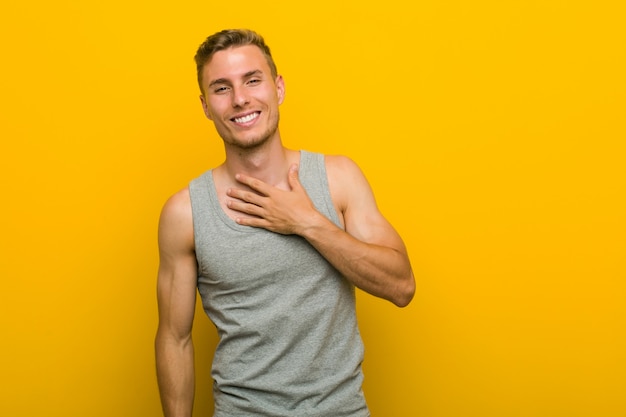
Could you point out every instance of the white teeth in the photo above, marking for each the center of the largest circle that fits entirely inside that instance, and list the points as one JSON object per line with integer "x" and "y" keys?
{"x": 247, "y": 118}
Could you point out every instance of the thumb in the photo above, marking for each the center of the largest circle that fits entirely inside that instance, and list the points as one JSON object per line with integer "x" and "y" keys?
{"x": 294, "y": 180}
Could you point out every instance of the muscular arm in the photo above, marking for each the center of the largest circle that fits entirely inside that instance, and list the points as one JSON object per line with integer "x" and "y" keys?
{"x": 369, "y": 253}
{"x": 176, "y": 296}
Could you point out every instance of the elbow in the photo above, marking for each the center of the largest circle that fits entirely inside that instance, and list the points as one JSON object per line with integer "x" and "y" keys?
{"x": 406, "y": 292}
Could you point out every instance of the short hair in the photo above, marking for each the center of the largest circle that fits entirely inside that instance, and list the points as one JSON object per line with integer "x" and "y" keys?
{"x": 230, "y": 38}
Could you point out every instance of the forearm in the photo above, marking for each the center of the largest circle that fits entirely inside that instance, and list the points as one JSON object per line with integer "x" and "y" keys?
{"x": 379, "y": 270}
{"x": 175, "y": 374}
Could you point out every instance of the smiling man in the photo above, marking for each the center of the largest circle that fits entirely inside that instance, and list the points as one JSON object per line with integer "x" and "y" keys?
{"x": 241, "y": 99}
{"x": 275, "y": 241}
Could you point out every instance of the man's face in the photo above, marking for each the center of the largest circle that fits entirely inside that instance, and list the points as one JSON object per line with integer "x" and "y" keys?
{"x": 241, "y": 97}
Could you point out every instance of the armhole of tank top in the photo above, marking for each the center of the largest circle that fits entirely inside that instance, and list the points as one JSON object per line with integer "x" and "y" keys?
{"x": 328, "y": 199}
{"x": 199, "y": 196}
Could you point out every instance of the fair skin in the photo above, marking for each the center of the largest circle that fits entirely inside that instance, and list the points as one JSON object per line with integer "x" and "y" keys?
{"x": 258, "y": 186}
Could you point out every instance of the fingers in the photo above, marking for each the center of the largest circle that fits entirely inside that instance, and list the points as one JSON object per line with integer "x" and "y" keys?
{"x": 244, "y": 207}
{"x": 253, "y": 183}
{"x": 246, "y": 196}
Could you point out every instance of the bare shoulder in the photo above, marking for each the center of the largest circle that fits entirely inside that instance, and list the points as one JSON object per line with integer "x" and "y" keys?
{"x": 348, "y": 185}
{"x": 176, "y": 222}
{"x": 178, "y": 204}
{"x": 351, "y": 192}
{"x": 338, "y": 165}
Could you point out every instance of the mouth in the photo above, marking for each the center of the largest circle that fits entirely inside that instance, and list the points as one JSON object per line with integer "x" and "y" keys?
{"x": 246, "y": 118}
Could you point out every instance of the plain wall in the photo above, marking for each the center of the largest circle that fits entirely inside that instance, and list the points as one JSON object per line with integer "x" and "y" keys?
{"x": 492, "y": 133}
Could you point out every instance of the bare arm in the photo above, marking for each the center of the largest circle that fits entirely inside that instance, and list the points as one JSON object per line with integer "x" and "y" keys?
{"x": 176, "y": 296}
{"x": 369, "y": 253}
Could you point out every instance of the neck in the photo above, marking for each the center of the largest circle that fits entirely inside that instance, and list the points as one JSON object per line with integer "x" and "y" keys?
{"x": 268, "y": 163}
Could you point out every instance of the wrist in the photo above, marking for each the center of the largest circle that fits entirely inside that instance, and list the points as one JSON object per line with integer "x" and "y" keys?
{"x": 316, "y": 225}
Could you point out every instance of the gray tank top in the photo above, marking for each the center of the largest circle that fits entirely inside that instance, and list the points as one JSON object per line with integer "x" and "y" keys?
{"x": 289, "y": 344}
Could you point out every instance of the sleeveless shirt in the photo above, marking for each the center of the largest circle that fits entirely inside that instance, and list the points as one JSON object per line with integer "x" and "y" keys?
{"x": 289, "y": 343}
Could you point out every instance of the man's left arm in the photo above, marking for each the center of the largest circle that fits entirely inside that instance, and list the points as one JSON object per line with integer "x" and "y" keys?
{"x": 369, "y": 252}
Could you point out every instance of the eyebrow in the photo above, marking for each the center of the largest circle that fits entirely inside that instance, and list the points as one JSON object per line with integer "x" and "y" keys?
{"x": 226, "y": 81}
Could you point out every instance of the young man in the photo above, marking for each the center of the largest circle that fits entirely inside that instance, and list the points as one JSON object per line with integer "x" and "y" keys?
{"x": 275, "y": 240}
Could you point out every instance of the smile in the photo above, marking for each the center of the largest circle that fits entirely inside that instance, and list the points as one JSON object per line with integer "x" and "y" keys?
{"x": 247, "y": 118}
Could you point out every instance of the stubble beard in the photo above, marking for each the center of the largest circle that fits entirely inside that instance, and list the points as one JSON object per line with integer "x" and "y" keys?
{"x": 253, "y": 143}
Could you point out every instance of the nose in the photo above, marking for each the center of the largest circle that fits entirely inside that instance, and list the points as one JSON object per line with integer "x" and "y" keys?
{"x": 240, "y": 97}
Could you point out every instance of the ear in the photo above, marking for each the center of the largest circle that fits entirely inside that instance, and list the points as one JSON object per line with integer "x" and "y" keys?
{"x": 205, "y": 107}
{"x": 280, "y": 89}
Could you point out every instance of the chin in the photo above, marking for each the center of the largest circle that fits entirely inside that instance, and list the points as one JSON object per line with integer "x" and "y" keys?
{"x": 250, "y": 143}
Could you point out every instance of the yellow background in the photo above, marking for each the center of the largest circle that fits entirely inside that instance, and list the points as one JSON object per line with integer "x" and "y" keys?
{"x": 493, "y": 133}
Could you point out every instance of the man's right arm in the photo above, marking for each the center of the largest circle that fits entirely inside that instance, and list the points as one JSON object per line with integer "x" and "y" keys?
{"x": 176, "y": 297}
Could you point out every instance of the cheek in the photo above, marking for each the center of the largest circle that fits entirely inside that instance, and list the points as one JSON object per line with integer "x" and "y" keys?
{"x": 214, "y": 108}
{"x": 268, "y": 95}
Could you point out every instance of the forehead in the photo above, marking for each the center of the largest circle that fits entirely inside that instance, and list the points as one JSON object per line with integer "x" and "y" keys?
{"x": 235, "y": 62}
